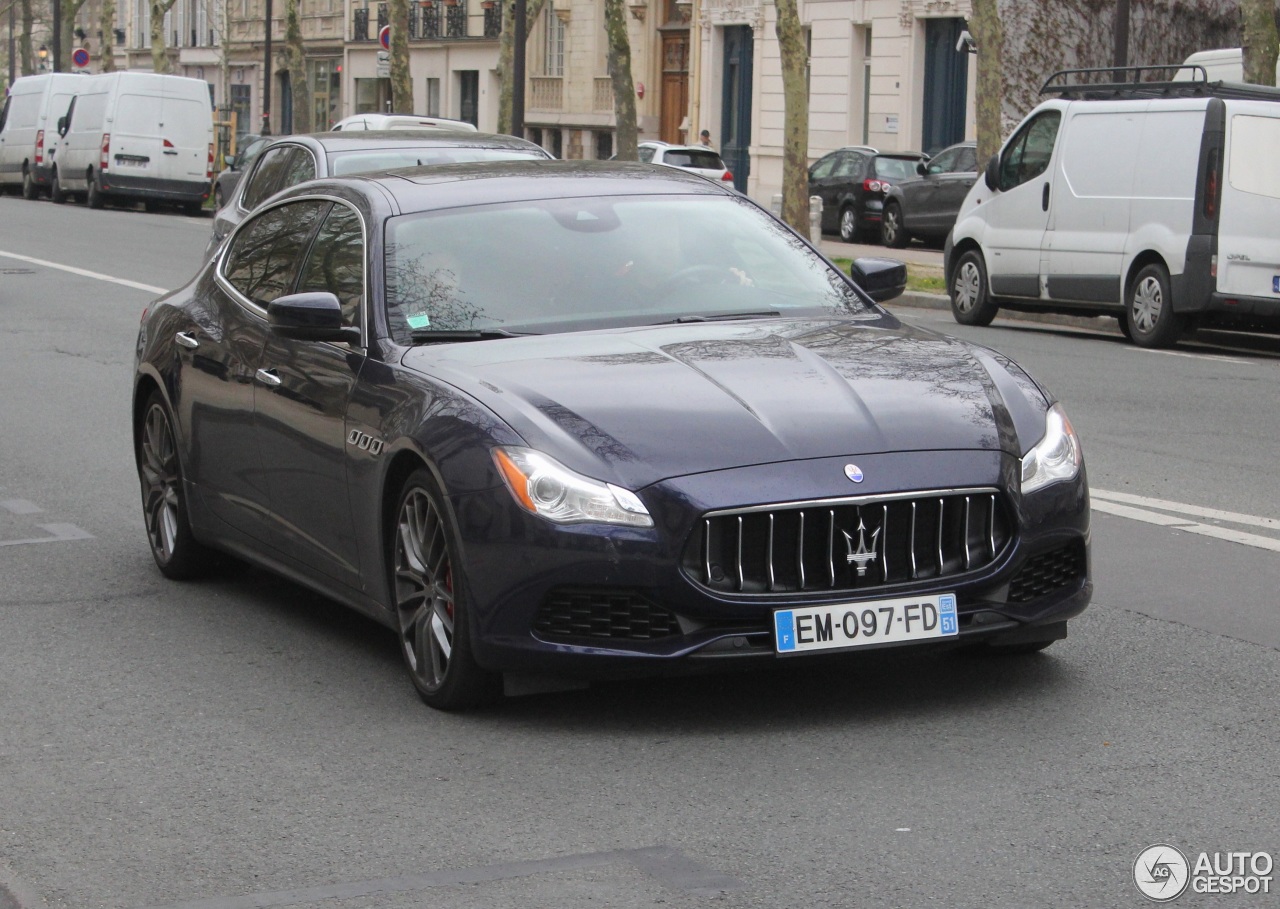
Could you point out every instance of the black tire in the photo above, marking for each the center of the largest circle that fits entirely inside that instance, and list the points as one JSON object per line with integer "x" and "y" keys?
{"x": 970, "y": 294}
{"x": 56, "y": 195}
{"x": 848, "y": 224}
{"x": 1123, "y": 321}
{"x": 30, "y": 189}
{"x": 1148, "y": 309}
{"x": 93, "y": 196}
{"x": 164, "y": 504}
{"x": 892, "y": 233}
{"x": 150, "y": 207}
{"x": 193, "y": 209}
{"x": 429, "y": 596}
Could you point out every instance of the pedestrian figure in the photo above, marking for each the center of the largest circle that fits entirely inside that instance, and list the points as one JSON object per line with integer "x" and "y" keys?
{"x": 705, "y": 138}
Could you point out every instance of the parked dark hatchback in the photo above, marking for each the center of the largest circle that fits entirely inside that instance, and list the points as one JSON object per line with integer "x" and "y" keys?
{"x": 852, "y": 183}
{"x": 927, "y": 205}
{"x": 291, "y": 160}
{"x": 597, "y": 419}
{"x": 237, "y": 166}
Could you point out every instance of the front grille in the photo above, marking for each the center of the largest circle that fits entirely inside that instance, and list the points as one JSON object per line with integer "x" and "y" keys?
{"x": 616, "y": 614}
{"x": 1047, "y": 572}
{"x": 849, "y": 544}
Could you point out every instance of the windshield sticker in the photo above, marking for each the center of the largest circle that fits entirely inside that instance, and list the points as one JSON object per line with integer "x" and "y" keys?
{"x": 419, "y": 320}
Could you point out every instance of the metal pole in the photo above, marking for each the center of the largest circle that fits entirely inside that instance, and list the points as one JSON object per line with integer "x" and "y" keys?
{"x": 13, "y": 63}
{"x": 517, "y": 70}
{"x": 266, "y": 76}
{"x": 57, "y": 36}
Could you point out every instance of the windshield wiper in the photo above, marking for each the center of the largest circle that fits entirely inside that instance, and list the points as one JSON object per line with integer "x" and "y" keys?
{"x": 444, "y": 334}
{"x": 722, "y": 317}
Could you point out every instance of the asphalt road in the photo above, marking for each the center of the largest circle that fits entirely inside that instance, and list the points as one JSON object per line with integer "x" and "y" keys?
{"x": 241, "y": 742}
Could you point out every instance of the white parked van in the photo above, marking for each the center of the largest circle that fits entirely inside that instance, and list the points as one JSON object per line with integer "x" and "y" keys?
{"x": 1158, "y": 203}
{"x": 28, "y": 129}
{"x": 137, "y": 137}
{"x": 1222, "y": 65}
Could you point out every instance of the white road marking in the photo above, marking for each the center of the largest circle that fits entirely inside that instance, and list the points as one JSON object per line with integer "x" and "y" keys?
{"x": 61, "y": 533}
{"x": 1206, "y": 530}
{"x": 1231, "y": 517}
{"x": 1193, "y": 356}
{"x": 84, "y": 273}
{"x": 20, "y": 506}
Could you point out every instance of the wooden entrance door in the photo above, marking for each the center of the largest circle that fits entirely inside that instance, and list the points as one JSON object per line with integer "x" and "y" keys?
{"x": 675, "y": 85}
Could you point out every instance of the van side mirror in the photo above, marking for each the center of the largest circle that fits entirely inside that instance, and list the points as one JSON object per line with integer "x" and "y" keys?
{"x": 62, "y": 126}
{"x": 880, "y": 279}
{"x": 992, "y": 177}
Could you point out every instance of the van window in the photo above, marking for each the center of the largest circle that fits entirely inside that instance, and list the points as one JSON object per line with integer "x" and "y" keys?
{"x": 1028, "y": 154}
{"x": 1248, "y": 170}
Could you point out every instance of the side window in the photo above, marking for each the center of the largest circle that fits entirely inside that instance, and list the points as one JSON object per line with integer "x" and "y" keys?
{"x": 264, "y": 257}
{"x": 336, "y": 262}
{"x": 301, "y": 167}
{"x": 4, "y": 113}
{"x": 849, "y": 166}
{"x": 1029, "y": 153}
{"x": 266, "y": 176}
{"x": 968, "y": 162}
{"x": 66, "y": 123}
{"x": 823, "y": 168}
{"x": 944, "y": 163}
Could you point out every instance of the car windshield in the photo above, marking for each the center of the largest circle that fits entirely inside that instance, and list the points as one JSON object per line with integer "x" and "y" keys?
{"x": 896, "y": 168}
{"x": 574, "y": 264}
{"x": 380, "y": 159}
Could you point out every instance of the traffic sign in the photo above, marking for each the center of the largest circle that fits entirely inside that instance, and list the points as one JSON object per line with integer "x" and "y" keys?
{"x": 80, "y": 57}
{"x": 384, "y": 36}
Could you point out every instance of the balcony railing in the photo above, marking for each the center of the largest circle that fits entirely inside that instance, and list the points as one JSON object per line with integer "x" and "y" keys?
{"x": 492, "y": 19}
{"x": 432, "y": 19}
{"x": 546, "y": 93}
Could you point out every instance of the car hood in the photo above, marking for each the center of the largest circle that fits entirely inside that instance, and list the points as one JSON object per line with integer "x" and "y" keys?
{"x": 647, "y": 404}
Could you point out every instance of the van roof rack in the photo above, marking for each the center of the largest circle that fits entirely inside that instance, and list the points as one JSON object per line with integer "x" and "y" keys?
{"x": 1118, "y": 82}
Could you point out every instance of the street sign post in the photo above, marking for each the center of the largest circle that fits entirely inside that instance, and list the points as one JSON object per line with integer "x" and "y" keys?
{"x": 80, "y": 57}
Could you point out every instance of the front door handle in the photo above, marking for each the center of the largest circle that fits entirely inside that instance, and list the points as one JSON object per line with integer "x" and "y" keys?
{"x": 185, "y": 340}
{"x": 268, "y": 377}
{"x": 1044, "y": 198}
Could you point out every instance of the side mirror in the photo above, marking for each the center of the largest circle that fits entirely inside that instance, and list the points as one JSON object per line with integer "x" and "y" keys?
{"x": 992, "y": 177}
{"x": 62, "y": 126}
{"x": 230, "y": 161}
{"x": 315, "y": 316}
{"x": 922, "y": 168}
{"x": 881, "y": 279}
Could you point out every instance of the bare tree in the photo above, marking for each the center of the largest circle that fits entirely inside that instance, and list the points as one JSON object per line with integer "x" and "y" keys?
{"x": 25, "y": 53}
{"x": 107, "y": 25}
{"x": 1259, "y": 41}
{"x": 506, "y": 53}
{"x": 624, "y": 91}
{"x": 299, "y": 90}
{"x": 988, "y": 35}
{"x": 401, "y": 80}
{"x": 795, "y": 118}
{"x": 70, "y": 12}
{"x": 159, "y": 50}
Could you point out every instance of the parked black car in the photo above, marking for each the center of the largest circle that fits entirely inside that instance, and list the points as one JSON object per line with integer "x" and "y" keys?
{"x": 852, "y": 183}
{"x": 926, "y": 206}
{"x": 237, "y": 165}
{"x": 592, "y": 418}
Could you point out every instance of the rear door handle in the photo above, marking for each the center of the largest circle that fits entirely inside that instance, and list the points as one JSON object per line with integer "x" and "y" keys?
{"x": 1044, "y": 198}
{"x": 185, "y": 340}
{"x": 268, "y": 377}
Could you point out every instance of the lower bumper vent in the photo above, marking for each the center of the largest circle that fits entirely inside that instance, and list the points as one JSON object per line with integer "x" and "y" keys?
{"x": 1047, "y": 572}
{"x": 612, "y": 614}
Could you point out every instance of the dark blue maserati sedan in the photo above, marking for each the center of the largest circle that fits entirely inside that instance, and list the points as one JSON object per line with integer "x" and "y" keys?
{"x": 595, "y": 419}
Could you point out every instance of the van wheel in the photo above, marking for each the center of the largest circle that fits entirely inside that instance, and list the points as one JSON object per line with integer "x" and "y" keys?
{"x": 1149, "y": 309}
{"x": 30, "y": 191}
{"x": 892, "y": 233}
{"x": 970, "y": 296}
{"x": 93, "y": 196}
{"x": 848, "y": 224}
{"x": 56, "y": 195}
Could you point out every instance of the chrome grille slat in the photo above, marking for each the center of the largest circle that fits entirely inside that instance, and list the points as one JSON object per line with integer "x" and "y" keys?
{"x": 749, "y": 551}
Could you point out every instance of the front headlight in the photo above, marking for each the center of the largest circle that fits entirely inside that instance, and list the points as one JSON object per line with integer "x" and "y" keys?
{"x": 545, "y": 487}
{"x": 1055, "y": 457}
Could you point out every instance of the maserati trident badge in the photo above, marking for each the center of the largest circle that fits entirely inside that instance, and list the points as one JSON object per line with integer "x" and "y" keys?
{"x": 853, "y": 472}
{"x": 862, "y": 556}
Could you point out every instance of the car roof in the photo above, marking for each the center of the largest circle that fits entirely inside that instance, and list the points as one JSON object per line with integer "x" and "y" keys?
{"x": 452, "y": 185}
{"x": 444, "y": 138}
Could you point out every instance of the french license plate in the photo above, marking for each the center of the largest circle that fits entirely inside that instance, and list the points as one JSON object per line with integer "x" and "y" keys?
{"x": 132, "y": 161}
{"x": 846, "y": 625}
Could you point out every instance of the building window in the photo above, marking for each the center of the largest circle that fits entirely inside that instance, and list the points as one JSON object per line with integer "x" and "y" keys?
{"x": 604, "y": 145}
{"x": 433, "y": 98}
{"x": 553, "y": 58}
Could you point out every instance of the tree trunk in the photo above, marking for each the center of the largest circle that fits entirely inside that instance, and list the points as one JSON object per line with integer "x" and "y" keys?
{"x": 1258, "y": 41}
{"x": 70, "y": 11}
{"x": 24, "y": 41}
{"x": 795, "y": 117}
{"x": 506, "y": 53}
{"x": 107, "y": 23}
{"x": 159, "y": 55}
{"x": 624, "y": 90}
{"x": 988, "y": 35}
{"x": 401, "y": 80}
{"x": 299, "y": 89}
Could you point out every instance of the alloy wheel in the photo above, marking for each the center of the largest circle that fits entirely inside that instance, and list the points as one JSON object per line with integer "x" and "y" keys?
{"x": 424, "y": 589}
{"x": 1148, "y": 300}
{"x": 161, "y": 479}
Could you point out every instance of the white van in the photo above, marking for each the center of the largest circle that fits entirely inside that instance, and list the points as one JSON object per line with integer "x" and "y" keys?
{"x": 1222, "y": 65}
{"x": 1157, "y": 203}
{"x": 28, "y": 129}
{"x": 137, "y": 137}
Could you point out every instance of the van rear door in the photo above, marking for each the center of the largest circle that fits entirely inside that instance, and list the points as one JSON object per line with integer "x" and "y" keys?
{"x": 186, "y": 129}
{"x": 135, "y": 136}
{"x": 1249, "y": 227}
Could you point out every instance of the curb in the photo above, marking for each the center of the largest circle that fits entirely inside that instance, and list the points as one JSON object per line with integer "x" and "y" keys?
{"x": 918, "y": 300}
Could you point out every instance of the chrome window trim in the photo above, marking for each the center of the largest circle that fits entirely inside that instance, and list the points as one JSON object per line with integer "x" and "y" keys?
{"x": 245, "y": 303}
{"x": 244, "y": 188}
{"x": 851, "y": 500}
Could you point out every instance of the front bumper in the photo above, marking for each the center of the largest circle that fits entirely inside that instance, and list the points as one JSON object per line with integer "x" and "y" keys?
{"x": 609, "y": 601}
